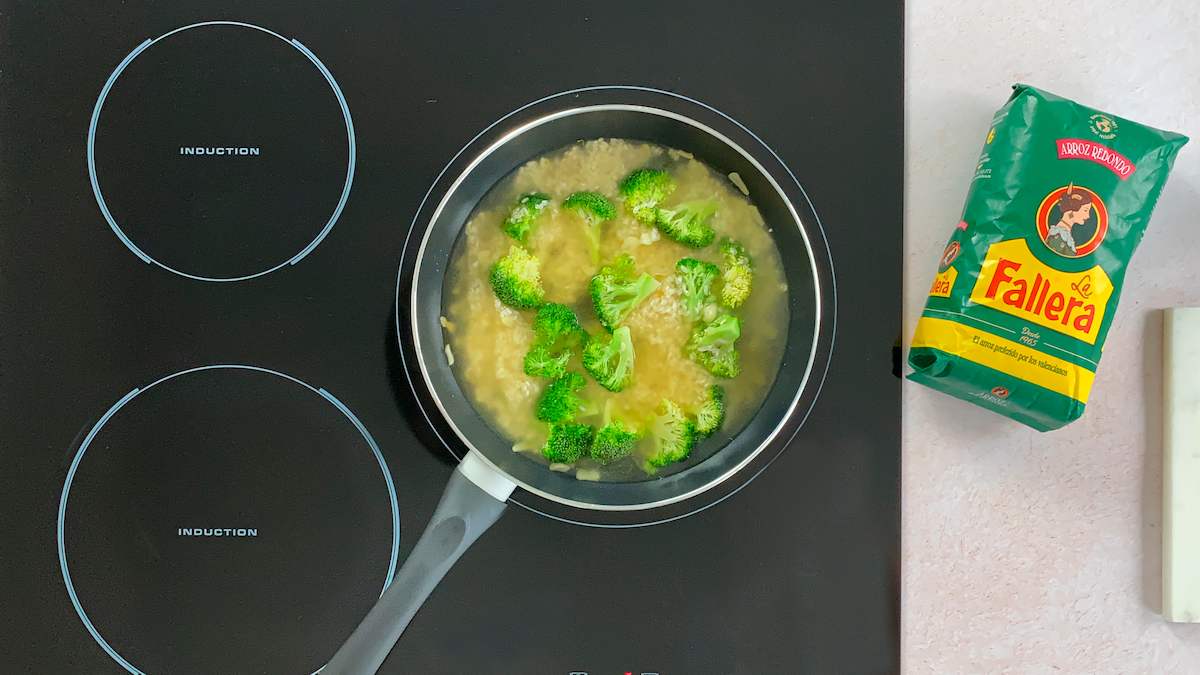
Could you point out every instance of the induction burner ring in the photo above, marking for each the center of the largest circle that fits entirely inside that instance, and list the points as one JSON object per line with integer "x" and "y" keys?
{"x": 99, "y": 195}
{"x": 122, "y": 402}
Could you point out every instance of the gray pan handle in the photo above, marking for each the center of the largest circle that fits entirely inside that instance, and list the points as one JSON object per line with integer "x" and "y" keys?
{"x": 473, "y": 500}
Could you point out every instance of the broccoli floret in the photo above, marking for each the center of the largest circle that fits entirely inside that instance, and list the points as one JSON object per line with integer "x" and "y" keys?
{"x": 616, "y": 291}
{"x": 711, "y": 414}
{"x": 543, "y": 361}
{"x": 595, "y": 210}
{"x": 557, "y": 324}
{"x": 560, "y": 401}
{"x": 687, "y": 223}
{"x": 738, "y": 277}
{"x": 612, "y": 442}
{"x": 712, "y": 346}
{"x": 556, "y": 332}
{"x": 674, "y": 435}
{"x": 696, "y": 278}
{"x": 610, "y": 361}
{"x": 517, "y": 279}
{"x": 521, "y": 220}
{"x": 567, "y": 442}
{"x": 643, "y": 190}
{"x": 591, "y": 206}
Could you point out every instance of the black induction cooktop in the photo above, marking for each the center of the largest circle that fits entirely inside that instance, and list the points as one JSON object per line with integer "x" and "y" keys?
{"x": 210, "y": 460}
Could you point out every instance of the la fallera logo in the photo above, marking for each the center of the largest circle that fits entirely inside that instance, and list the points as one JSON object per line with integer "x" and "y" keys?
{"x": 1072, "y": 221}
{"x": 949, "y": 255}
{"x": 1014, "y": 281}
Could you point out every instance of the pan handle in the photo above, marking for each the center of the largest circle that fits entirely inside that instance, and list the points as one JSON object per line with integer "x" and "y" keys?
{"x": 473, "y": 500}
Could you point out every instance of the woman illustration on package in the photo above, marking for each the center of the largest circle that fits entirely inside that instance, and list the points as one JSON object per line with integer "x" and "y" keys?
{"x": 1075, "y": 207}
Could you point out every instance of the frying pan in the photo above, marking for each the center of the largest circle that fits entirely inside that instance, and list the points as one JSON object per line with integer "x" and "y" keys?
{"x": 490, "y": 475}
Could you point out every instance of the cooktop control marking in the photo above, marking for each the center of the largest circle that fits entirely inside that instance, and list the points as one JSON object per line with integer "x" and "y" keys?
{"x": 220, "y": 151}
{"x": 204, "y": 530}
{"x": 216, "y": 531}
{"x": 248, "y": 151}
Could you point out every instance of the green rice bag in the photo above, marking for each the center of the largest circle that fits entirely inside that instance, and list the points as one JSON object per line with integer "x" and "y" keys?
{"x": 1027, "y": 287}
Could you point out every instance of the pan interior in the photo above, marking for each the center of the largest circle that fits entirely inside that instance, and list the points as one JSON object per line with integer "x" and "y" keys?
{"x": 653, "y": 125}
{"x": 489, "y": 344}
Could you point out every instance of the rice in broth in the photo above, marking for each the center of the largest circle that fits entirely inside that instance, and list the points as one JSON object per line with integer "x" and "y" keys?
{"x": 489, "y": 340}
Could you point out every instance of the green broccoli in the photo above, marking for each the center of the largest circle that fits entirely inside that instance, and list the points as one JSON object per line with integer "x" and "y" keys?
{"x": 738, "y": 277}
{"x": 696, "y": 277}
{"x": 610, "y": 361}
{"x": 616, "y": 291}
{"x": 555, "y": 322}
{"x": 595, "y": 209}
{"x": 712, "y": 346}
{"x": 542, "y": 361}
{"x": 556, "y": 332}
{"x": 612, "y": 442}
{"x": 674, "y": 436}
{"x": 567, "y": 442}
{"x": 521, "y": 220}
{"x": 711, "y": 414}
{"x": 560, "y": 401}
{"x": 517, "y": 279}
{"x": 687, "y": 223}
{"x": 643, "y": 190}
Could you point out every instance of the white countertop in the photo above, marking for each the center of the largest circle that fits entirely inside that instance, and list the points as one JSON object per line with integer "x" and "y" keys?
{"x": 1026, "y": 552}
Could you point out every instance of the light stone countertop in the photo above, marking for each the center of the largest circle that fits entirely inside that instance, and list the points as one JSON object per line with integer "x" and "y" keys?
{"x": 1026, "y": 552}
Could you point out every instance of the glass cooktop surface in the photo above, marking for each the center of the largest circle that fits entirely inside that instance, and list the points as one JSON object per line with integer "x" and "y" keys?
{"x": 212, "y": 460}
